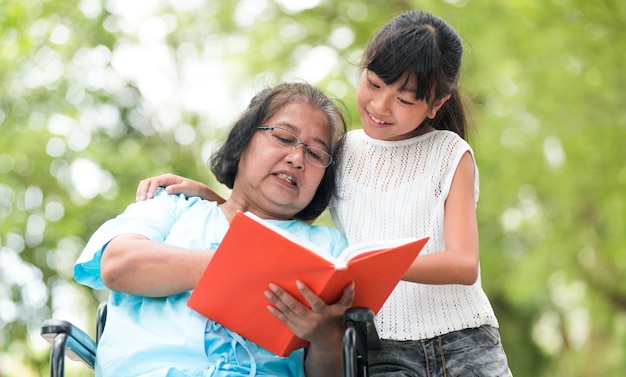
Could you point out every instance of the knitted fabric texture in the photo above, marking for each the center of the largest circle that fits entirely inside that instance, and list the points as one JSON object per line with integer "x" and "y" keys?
{"x": 395, "y": 189}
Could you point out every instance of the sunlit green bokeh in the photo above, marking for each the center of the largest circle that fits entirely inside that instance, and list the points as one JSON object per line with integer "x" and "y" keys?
{"x": 95, "y": 95}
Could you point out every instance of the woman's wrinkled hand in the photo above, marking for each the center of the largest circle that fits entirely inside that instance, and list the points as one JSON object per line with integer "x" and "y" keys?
{"x": 321, "y": 324}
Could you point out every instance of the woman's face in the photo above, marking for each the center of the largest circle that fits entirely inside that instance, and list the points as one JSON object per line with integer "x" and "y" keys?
{"x": 277, "y": 182}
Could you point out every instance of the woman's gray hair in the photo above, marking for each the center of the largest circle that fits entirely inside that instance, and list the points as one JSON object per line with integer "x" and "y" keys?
{"x": 225, "y": 161}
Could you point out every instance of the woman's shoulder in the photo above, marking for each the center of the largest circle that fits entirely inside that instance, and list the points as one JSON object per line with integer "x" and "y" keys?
{"x": 179, "y": 209}
{"x": 307, "y": 230}
{"x": 321, "y": 235}
{"x": 181, "y": 200}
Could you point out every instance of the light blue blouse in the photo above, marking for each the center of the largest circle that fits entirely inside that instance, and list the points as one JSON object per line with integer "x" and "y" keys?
{"x": 162, "y": 336}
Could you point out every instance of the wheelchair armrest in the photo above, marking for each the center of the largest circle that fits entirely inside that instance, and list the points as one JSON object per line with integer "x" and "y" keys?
{"x": 68, "y": 340}
{"x": 359, "y": 336}
{"x": 363, "y": 321}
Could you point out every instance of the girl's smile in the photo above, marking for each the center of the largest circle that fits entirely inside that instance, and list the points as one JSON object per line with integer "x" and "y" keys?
{"x": 391, "y": 112}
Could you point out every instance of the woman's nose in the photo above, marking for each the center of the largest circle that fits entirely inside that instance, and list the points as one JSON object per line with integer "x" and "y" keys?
{"x": 296, "y": 155}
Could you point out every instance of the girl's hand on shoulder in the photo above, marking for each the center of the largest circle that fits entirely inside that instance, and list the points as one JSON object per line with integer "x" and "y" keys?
{"x": 175, "y": 184}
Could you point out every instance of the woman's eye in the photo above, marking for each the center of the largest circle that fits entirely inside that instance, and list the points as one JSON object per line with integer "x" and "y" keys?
{"x": 283, "y": 140}
{"x": 405, "y": 102}
{"x": 314, "y": 154}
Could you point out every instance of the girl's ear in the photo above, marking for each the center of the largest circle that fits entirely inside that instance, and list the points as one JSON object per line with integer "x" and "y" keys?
{"x": 437, "y": 105}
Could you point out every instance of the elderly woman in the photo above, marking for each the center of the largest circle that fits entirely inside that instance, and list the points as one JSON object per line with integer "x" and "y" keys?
{"x": 278, "y": 160}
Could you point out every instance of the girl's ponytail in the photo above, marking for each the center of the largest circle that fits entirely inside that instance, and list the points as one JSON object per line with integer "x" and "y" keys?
{"x": 451, "y": 116}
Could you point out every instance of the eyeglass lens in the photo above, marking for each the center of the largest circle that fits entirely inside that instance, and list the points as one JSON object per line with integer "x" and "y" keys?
{"x": 287, "y": 139}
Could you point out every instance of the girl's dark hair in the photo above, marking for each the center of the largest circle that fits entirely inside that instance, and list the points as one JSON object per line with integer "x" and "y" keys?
{"x": 225, "y": 161}
{"x": 418, "y": 45}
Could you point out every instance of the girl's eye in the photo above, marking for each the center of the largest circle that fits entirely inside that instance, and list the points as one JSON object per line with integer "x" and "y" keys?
{"x": 373, "y": 85}
{"x": 405, "y": 102}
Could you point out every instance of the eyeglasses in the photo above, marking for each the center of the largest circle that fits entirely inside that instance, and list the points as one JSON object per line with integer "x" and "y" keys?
{"x": 286, "y": 139}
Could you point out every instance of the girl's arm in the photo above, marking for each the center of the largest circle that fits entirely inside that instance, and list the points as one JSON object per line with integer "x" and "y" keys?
{"x": 458, "y": 263}
{"x": 135, "y": 265}
{"x": 175, "y": 184}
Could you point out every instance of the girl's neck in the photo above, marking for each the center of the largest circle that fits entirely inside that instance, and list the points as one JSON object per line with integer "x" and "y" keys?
{"x": 419, "y": 131}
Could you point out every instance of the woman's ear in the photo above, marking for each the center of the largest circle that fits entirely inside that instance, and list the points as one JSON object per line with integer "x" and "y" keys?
{"x": 437, "y": 105}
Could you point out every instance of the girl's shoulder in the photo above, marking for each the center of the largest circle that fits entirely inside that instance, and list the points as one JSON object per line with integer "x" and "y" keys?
{"x": 450, "y": 138}
{"x": 437, "y": 138}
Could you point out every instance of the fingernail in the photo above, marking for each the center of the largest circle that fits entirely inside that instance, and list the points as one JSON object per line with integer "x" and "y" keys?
{"x": 300, "y": 284}
{"x": 273, "y": 287}
{"x": 272, "y": 309}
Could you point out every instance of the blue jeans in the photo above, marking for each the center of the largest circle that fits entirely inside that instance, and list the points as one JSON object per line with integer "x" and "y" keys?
{"x": 469, "y": 352}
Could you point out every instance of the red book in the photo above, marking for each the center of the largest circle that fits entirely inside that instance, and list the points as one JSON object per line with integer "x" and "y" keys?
{"x": 255, "y": 253}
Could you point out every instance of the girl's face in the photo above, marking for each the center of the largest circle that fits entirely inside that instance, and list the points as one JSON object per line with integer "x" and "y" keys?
{"x": 390, "y": 112}
{"x": 277, "y": 182}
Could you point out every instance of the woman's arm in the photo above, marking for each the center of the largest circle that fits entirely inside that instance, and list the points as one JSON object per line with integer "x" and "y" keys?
{"x": 175, "y": 184}
{"x": 321, "y": 326}
{"x": 135, "y": 265}
{"x": 458, "y": 263}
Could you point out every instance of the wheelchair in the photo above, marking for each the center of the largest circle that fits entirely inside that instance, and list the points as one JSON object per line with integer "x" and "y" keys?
{"x": 360, "y": 335}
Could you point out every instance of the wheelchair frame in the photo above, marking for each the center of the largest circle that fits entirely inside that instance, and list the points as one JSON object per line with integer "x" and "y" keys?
{"x": 68, "y": 340}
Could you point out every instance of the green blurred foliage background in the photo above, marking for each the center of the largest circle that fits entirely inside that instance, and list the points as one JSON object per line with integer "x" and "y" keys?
{"x": 96, "y": 95}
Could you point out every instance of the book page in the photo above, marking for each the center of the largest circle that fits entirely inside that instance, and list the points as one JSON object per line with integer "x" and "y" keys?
{"x": 361, "y": 249}
{"x": 349, "y": 253}
{"x": 305, "y": 243}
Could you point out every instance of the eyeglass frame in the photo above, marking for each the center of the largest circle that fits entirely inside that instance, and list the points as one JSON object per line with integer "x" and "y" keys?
{"x": 300, "y": 142}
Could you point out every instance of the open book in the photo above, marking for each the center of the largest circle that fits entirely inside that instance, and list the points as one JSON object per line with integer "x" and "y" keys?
{"x": 255, "y": 253}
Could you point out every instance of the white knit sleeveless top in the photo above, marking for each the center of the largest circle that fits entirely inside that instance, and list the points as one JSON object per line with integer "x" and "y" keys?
{"x": 395, "y": 189}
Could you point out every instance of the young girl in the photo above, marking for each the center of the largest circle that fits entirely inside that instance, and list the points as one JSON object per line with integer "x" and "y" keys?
{"x": 410, "y": 172}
